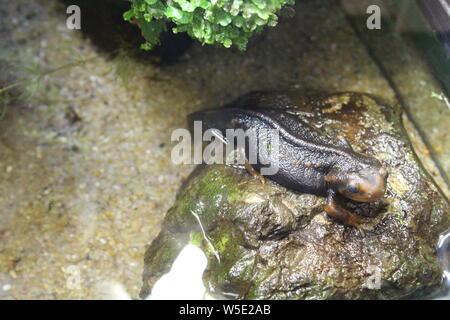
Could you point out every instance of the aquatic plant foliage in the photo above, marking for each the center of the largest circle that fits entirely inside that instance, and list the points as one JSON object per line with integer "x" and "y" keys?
{"x": 225, "y": 22}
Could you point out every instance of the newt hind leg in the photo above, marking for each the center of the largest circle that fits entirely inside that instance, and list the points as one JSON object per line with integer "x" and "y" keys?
{"x": 333, "y": 209}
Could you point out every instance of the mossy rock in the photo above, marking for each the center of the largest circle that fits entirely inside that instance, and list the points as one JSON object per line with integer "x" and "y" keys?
{"x": 264, "y": 241}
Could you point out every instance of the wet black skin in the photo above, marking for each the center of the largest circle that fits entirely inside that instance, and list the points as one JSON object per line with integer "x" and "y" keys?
{"x": 307, "y": 161}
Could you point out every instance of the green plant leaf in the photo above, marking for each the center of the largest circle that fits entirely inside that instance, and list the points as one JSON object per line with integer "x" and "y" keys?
{"x": 225, "y": 22}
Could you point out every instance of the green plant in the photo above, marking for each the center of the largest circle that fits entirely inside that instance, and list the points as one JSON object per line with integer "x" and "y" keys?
{"x": 228, "y": 22}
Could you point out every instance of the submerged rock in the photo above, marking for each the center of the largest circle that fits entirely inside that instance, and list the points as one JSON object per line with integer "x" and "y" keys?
{"x": 264, "y": 241}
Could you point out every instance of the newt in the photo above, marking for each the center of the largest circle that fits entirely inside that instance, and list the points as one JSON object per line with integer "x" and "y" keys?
{"x": 308, "y": 162}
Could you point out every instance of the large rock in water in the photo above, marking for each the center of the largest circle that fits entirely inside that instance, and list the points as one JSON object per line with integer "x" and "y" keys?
{"x": 274, "y": 243}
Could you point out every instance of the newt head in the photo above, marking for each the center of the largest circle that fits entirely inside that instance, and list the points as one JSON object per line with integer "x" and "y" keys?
{"x": 364, "y": 185}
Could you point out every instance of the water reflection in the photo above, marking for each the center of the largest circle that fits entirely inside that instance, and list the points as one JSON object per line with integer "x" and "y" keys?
{"x": 443, "y": 251}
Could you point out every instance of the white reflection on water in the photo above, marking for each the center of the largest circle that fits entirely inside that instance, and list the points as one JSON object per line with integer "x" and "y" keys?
{"x": 443, "y": 251}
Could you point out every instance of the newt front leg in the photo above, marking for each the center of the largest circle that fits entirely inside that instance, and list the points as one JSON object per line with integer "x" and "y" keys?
{"x": 253, "y": 172}
{"x": 333, "y": 209}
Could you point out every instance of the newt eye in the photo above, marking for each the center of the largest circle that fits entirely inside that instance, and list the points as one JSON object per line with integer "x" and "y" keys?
{"x": 352, "y": 189}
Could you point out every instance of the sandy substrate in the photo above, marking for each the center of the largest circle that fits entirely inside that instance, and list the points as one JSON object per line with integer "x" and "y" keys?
{"x": 85, "y": 170}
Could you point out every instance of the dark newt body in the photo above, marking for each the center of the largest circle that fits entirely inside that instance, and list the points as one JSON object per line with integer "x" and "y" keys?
{"x": 307, "y": 161}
